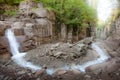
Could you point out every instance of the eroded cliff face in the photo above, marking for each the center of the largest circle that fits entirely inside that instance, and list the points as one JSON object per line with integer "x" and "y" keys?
{"x": 113, "y": 39}
{"x": 32, "y": 25}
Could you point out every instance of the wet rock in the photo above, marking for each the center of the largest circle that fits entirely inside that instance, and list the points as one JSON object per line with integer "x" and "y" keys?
{"x": 70, "y": 45}
{"x": 105, "y": 67}
{"x": 21, "y": 72}
{"x": 56, "y": 45}
{"x": 4, "y": 52}
{"x": 88, "y": 41}
{"x": 1, "y": 77}
{"x": 28, "y": 44}
{"x": 117, "y": 74}
{"x": 76, "y": 72}
{"x": 3, "y": 26}
{"x": 87, "y": 76}
{"x": 40, "y": 72}
{"x": 60, "y": 72}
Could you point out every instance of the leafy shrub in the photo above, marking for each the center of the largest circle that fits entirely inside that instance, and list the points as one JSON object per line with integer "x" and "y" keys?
{"x": 10, "y": 13}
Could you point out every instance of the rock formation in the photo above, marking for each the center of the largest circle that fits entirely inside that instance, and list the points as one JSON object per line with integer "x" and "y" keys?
{"x": 32, "y": 25}
{"x": 113, "y": 40}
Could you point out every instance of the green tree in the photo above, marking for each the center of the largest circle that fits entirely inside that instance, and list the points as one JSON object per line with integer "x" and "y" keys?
{"x": 11, "y": 2}
{"x": 71, "y": 12}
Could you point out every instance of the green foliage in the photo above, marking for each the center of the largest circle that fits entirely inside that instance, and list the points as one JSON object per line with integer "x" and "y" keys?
{"x": 11, "y": 2}
{"x": 10, "y": 13}
{"x": 71, "y": 12}
{"x": 74, "y": 13}
{"x": 2, "y": 11}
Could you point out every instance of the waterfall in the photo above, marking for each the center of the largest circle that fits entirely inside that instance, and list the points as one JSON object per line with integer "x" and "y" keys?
{"x": 16, "y": 55}
{"x": 103, "y": 57}
{"x": 19, "y": 57}
{"x": 14, "y": 46}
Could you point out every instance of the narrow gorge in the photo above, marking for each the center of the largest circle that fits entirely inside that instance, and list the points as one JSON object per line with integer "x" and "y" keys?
{"x": 52, "y": 40}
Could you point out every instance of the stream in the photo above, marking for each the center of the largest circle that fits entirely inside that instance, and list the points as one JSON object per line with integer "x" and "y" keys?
{"x": 18, "y": 57}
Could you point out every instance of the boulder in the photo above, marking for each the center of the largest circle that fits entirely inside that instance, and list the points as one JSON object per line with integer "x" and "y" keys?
{"x": 40, "y": 72}
{"x": 28, "y": 29}
{"x": 59, "y": 72}
{"x": 25, "y": 7}
{"x": 3, "y": 26}
{"x": 40, "y": 12}
{"x": 106, "y": 67}
{"x": 28, "y": 44}
{"x": 88, "y": 40}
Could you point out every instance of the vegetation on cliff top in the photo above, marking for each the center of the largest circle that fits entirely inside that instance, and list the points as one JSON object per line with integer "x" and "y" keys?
{"x": 71, "y": 12}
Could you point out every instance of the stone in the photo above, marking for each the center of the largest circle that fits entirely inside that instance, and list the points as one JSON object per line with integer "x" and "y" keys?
{"x": 87, "y": 76}
{"x": 5, "y": 56}
{"x": 21, "y": 72}
{"x": 63, "y": 32}
{"x": 40, "y": 12}
{"x": 2, "y": 76}
{"x": 25, "y": 7}
{"x": 42, "y": 21}
{"x": 28, "y": 29}
{"x": 33, "y": 21}
{"x": 56, "y": 45}
{"x": 88, "y": 40}
{"x": 28, "y": 44}
{"x": 3, "y": 26}
{"x": 51, "y": 15}
{"x": 40, "y": 72}
{"x": 76, "y": 72}
{"x": 58, "y": 54}
{"x": 117, "y": 74}
{"x": 18, "y": 28}
{"x": 69, "y": 39}
{"x": 4, "y": 53}
{"x": 59, "y": 72}
{"x": 17, "y": 25}
{"x": 105, "y": 67}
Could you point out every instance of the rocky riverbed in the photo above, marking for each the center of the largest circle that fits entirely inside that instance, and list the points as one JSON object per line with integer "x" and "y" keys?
{"x": 60, "y": 54}
{"x": 108, "y": 70}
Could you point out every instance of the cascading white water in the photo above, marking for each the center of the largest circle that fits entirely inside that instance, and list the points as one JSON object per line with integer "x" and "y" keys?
{"x": 19, "y": 57}
{"x": 16, "y": 55}
{"x": 11, "y": 39}
{"x": 102, "y": 58}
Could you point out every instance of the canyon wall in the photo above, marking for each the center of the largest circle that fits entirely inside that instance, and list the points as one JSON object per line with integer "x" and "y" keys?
{"x": 32, "y": 25}
{"x": 113, "y": 39}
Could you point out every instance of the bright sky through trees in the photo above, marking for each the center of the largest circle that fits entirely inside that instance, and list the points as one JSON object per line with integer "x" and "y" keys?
{"x": 104, "y": 8}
